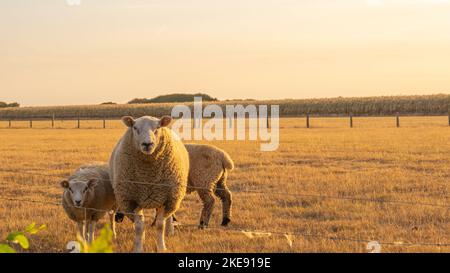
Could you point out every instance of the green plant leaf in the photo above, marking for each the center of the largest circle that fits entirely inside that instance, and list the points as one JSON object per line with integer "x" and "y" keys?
{"x": 23, "y": 241}
{"x": 19, "y": 238}
{"x": 31, "y": 227}
{"x": 35, "y": 230}
{"x": 12, "y": 236}
{"x": 4, "y": 248}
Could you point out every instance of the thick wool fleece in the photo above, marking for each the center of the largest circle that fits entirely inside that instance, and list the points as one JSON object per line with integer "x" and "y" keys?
{"x": 101, "y": 199}
{"x": 161, "y": 176}
{"x": 207, "y": 165}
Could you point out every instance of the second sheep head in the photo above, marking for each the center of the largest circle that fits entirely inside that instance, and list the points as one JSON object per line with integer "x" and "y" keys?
{"x": 79, "y": 191}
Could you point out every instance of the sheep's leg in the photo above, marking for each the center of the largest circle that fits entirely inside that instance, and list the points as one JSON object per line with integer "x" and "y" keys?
{"x": 170, "y": 226}
{"x": 170, "y": 230}
{"x": 160, "y": 229}
{"x": 86, "y": 230}
{"x": 112, "y": 222}
{"x": 126, "y": 209}
{"x": 139, "y": 230}
{"x": 154, "y": 220}
{"x": 225, "y": 196}
{"x": 91, "y": 230}
{"x": 208, "y": 205}
{"x": 81, "y": 230}
{"x": 174, "y": 220}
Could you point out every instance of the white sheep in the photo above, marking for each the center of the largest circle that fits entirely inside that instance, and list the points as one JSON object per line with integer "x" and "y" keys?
{"x": 149, "y": 169}
{"x": 208, "y": 172}
{"x": 87, "y": 196}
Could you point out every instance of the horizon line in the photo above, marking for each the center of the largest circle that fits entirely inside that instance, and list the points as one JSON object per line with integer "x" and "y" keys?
{"x": 225, "y": 100}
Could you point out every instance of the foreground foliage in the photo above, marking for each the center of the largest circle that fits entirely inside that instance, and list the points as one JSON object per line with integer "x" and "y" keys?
{"x": 102, "y": 244}
{"x": 19, "y": 238}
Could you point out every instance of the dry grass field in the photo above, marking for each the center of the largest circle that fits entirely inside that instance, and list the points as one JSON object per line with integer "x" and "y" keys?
{"x": 373, "y": 160}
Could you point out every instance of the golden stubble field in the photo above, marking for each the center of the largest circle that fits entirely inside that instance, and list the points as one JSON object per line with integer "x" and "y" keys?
{"x": 373, "y": 160}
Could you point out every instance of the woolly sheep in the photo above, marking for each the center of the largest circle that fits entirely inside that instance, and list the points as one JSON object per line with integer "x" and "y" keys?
{"x": 149, "y": 152}
{"x": 87, "y": 196}
{"x": 209, "y": 167}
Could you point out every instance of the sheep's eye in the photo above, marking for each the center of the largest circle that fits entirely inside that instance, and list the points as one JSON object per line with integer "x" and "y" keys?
{"x": 134, "y": 127}
{"x": 70, "y": 190}
{"x": 85, "y": 190}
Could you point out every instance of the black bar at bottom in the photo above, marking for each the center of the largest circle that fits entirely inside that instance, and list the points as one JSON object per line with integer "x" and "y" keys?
{"x": 233, "y": 262}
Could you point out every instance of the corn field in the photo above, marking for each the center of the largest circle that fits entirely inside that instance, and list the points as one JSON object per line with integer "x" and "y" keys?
{"x": 365, "y": 106}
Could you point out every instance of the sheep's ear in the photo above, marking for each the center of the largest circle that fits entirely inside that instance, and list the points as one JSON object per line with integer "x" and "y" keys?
{"x": 64, "y": 184}
{"x": 92, "y": 183}
{"x": 165, "y": 121}
{"x": 128, "y": 121}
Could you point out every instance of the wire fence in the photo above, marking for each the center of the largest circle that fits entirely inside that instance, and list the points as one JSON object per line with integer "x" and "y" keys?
{"x": 305, "y": 121}
{"x": 294, "y": 194}
{"x": 254, "y": 233}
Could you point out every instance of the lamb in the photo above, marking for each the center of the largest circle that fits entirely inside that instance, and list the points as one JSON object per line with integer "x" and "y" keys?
{"x": 87, "y": 196}
{"x": 149, "y": 168}
{"x": 208, "y": 171}
{"x": 209, "y": 167}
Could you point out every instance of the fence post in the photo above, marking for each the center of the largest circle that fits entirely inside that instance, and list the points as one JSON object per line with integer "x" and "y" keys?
{"x": 351, "y": 120}
{"x": 31, "y": 123}
{"x": 267, "y": 121}
{"x": 398, "y": 119}
{"x": 307, "y": 120}
{"x": 78, "y": 122}
{"x": 9, "y": 124}
{"x": 53, "y": 121}
{"x": 104, "y": 123}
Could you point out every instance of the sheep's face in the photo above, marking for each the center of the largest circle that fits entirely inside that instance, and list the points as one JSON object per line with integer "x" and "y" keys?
{"x": 79, "y": 191}
{"x": 145, "y": 131}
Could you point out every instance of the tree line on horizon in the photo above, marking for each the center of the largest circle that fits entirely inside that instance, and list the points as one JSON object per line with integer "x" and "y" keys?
{"x": 177, "y": 97}
{"x": 5, "y": 105}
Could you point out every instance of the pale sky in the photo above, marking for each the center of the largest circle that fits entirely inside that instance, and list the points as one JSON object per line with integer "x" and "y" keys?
{"x": 52, "y": 53}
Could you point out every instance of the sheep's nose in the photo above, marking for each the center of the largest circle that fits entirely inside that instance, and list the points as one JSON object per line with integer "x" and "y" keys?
{"x": 146, "y": 145}
{"x": 78, "y": 203}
